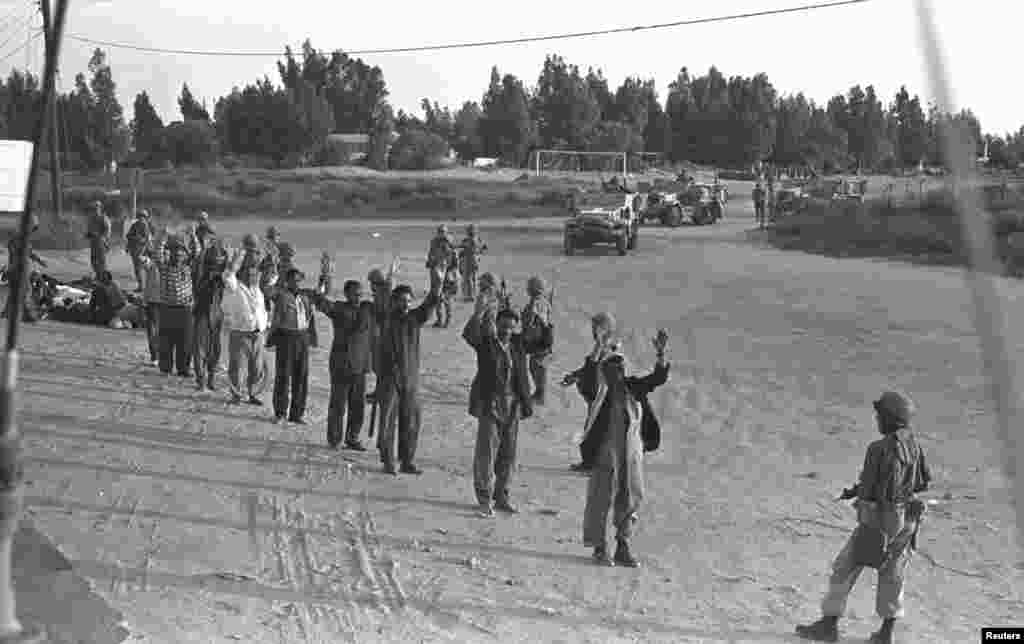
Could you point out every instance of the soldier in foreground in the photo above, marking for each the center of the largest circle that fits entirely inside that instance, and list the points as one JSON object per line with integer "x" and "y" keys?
{"x": 471, "y": 249}
{"x": 622, "y": 426}
{"x": 888, "y": 518}
{"x": 538, "y": 332}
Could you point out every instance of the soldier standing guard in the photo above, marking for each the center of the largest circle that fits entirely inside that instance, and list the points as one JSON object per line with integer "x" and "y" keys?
{"x": 440, "y": 257}
{"x": 758, "y": 197}
{"x": 469, "y": 259}
{"x": 98, "y": 234}
{"x": 139, "y": 239}
{"x": 537, "y": 327}
{"x": 888, "y": 519}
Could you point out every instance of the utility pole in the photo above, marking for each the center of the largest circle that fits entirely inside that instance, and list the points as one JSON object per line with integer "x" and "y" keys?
{"x": 55, "y": 182}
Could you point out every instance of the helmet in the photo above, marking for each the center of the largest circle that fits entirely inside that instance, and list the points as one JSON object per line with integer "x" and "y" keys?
{"x": 250, "y": 241}
{"x": 442, "y": 229}
{"x": 535, "y": 285}
{"x": 273, "y": 232}
{"x": 376, "y": 276}
{"x": 471, "y": 228}
{"x": 895, "y": 406}
{"x": 203, "y": 216}
{"x": 487, "y": 279}
{"x": 143, "y": 214}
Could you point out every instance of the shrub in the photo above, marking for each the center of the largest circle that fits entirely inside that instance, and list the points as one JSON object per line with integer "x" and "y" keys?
{"x": 191, "y": 142}
{"x": 418, "y": 150}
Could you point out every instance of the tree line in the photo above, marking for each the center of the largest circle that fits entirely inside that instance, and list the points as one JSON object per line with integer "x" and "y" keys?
{"x": 729, "y": 122}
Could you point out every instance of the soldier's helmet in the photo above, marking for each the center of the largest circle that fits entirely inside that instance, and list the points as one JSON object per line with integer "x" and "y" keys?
{"x": 471, "y": 229}
{"x": 273, "y": 232}
{"x": 487, "y": 280}
{"x": 143, "y": 214}
{"x": 204, "y": 216}
{"x": 535, "y": 285}
{"x": 895, "y": 406}
{"x": 249, "y": 242}
{"x": 376, "y": 276}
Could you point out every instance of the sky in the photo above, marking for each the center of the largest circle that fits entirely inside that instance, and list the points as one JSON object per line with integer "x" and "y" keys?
{"x": 819, "y": 53}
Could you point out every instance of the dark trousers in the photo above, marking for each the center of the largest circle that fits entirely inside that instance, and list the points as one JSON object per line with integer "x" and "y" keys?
{"x": 538, "y": 365}
{"x": 176, "y": 338}
{"x": 98, "y": 249}
{"x": 291, "y": 374}
{"x": 759, "y": 212}
{"x": 399, "y": 414}
{"x": 348, "y": 395}
{"x": 494, "y": 459}
{"x": 153, "y": 330}
{"x": 138, "y": 269}
{"x": 208, "y": 331}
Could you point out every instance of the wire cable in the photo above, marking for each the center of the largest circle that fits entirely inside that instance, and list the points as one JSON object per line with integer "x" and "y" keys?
{"x": 20, "y": 49}
{"x": 485, "y": 43}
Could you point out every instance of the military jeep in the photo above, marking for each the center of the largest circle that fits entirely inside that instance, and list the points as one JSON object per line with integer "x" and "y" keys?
{"x": 602, "y": 218}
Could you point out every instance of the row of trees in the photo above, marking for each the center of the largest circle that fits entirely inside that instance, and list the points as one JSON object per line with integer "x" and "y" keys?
{"x": 728, "y": 122}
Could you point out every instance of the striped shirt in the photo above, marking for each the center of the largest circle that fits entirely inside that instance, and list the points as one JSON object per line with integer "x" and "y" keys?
{"x": 176, "y": 285}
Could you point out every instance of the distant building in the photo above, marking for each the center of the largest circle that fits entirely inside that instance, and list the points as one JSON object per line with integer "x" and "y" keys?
{"x": 351, "y": 148}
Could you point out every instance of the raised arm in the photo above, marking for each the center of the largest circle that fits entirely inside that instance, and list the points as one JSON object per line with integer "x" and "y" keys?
{"x": 423, "y": 312}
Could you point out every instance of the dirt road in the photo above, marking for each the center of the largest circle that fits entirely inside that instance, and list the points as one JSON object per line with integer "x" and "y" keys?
{"x": 204, "y": 523}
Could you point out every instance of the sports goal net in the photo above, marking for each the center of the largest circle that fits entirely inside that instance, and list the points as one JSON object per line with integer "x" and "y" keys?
{"x": 554, "y": 162}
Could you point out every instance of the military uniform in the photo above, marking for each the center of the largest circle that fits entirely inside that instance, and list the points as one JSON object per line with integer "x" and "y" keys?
{"x": 888, "y": 518}
{"x": 536, "y": 323}
{"x": 98, "y": 233}
{"x": 469, "y": 259}
{"x": 442, "y": 253}
{"x": 759, "y": 197}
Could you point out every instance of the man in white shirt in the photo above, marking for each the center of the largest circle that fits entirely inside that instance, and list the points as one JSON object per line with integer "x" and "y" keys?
{"x": 245, "y": 318}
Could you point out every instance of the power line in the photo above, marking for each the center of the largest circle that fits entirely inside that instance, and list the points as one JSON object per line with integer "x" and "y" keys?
{"x": 28, "y": 42}
{"x": 486, "y": 43}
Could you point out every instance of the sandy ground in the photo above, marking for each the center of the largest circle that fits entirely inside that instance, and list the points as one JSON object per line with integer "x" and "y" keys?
{"x": 207, "y": 523}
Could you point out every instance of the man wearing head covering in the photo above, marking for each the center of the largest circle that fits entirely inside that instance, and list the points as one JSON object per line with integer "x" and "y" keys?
{"x": 106, "y": 301}
{"x": 499, "y": 397}
{"x": 208, "y": 313}
{"x": 292, "y": 334}
{"x": 469, "y": 259}
{"x": 13, "y": 244}
{"x": 98, "y": 234}
{"x": 888, "y": 518}
{"x": 622, "y": 425}
{"x": 177, "y": 298}
{"x": 246, "y": 321}
{"x": 349, "y": 363}
{"x": 380, "y": 292}
{"x": 137, "y": 242}
{"x": 602, "y": 327}
{"x": 151, "y": 301}
{"x": 398, "y": 375}
{"x": 538, "y": 330}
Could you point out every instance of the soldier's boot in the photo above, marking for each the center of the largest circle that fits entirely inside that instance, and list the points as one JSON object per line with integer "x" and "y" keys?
{"x": 884, "y": 634}
{"x": 825, "y": 629}
{"x": 540, "y": 378}
{"x": 601, "y": 557}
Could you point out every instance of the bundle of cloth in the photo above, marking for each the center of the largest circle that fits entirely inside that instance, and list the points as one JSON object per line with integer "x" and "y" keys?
{"x": 100, "y": 302}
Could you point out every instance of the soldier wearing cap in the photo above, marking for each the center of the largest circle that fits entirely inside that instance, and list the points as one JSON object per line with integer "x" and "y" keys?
{"x": 270, "y": 261}
{"x": 443, "y": 256}
{"x": 137, "y": 242}
{"x": 471, "y": 249}
{"x": 98, "y": 234}
{"x": 538, "y": 331}
{"x": 888, "y": 518}
{"x": 759, "y": 198}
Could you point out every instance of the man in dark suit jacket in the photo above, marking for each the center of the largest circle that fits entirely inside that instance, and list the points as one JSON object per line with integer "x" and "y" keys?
{"x": 292, "y": 333}
{"x": 349, "y": 363}
{"x": 499, "y": 397}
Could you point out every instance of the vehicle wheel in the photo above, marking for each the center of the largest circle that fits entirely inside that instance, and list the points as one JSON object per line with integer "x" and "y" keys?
{"x": 568, "y": 247}
{"x": 674, "y": 218}
{"x": 622, "y": 244}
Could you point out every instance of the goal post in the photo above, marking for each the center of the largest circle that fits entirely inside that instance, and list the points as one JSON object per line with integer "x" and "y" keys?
{"x": 579, "y": 161}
